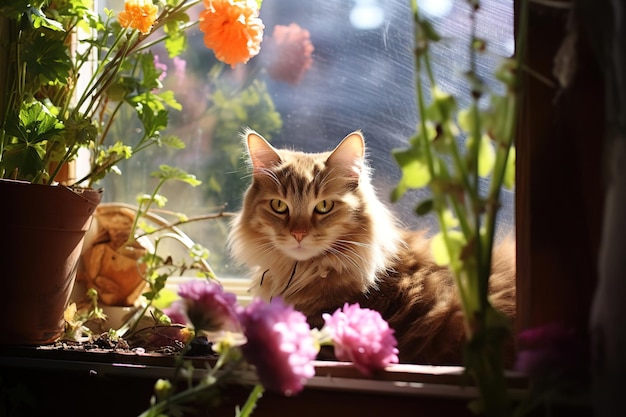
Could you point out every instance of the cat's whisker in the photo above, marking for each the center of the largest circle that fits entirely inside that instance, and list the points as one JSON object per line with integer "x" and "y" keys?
{"x": 329, "y": 177}
{"x": 263, "y": 247}
{"x": 269, "y": 173}
{"x": 355, "y": 243}
{"x": 344, "y": 253}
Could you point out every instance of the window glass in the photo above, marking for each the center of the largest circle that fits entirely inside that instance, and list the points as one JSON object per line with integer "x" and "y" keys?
{"x": 361, "y": 77}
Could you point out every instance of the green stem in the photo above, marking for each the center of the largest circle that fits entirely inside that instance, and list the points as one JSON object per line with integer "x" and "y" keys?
{"x": 471, "y": 275}
{"x": 419, "y": 55}
{"x": 248, "y": 407}
{"x": 207, "y": 384}
{"x": 182, "y": 397}
{"x": 482, "y": 277}
{"x": 487, "y": 370}
{"x": 101, "y": 81}
{"x": 141, "y": 210}
{"x": 157, "y": 41}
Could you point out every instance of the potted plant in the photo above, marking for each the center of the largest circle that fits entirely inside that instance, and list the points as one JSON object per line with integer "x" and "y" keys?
{"x": 66, "y": 74}
{"x": 452, "y": 153}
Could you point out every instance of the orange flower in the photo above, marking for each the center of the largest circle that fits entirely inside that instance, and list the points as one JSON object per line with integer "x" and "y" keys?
{"x": 138, "y": 14}
{"x": 289, "y": 53}
{"x": 232, "y": 29}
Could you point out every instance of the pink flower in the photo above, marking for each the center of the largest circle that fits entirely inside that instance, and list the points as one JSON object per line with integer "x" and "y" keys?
{"x": 208, "y": 307}
{"x": 362, "y": 336}
{"x": 180, "y": 68}
{"x": 289, "y": 52}
{"x": 158, "y": 65}
{"x": 280, "y": 345}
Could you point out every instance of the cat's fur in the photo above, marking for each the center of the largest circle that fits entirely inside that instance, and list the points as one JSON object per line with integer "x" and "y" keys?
{"x": 356, "y": 252}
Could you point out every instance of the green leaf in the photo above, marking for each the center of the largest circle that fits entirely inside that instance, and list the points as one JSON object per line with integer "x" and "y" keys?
{"x": 25, "y": 161}
{"x": 449, "y": 220}
{"x": 415, "y": 173}
{"x": 39, "y": 19}
{"x": 46, "y": 57}
{"x": 465, "y": 120}
{"x": 496, "y": 118}
{"x": 173, "y": 142}
{"x": 176, "y": 41}
{"x": 37, "y": 123}
{"x": 168, "y": 99}
{"x": 142, "y": 224}
{"x": 33, "y": 130}
{"x": 79, "y": 130}
{"x": 152, "y": 121}
{"x": 507, "y": 72}
{"x": 149, "y": 73}
{"x": 443, "y": 253}
{"x": 198, "y": 252}
{"x": 167, "y": 173}
{"x": 107, "y": 157}
{"x": 160, "y": 200}
{"x": 145, "y": 199}
{"x": 166, "y": 297}
{"x": 426, "y": 28}
{"x": 486, "y": 156}
{"x": 509, "y": 172}
{"x": 442, "y": 107}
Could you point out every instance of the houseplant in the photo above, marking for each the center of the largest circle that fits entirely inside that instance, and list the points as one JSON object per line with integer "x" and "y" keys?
{"x": 453, "y": 153}
{"x": 67, "y": 72}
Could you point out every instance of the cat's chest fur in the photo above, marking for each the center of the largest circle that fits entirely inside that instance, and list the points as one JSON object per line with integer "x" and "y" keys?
{"x": 313, "y": 232}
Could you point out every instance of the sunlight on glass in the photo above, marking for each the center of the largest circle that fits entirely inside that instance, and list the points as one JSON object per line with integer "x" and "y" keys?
{"x": 367, "y": 14}
{"x": 435, "y": 8}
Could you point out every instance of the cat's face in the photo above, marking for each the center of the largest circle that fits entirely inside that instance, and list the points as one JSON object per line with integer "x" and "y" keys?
{"x": 305, "y": 205}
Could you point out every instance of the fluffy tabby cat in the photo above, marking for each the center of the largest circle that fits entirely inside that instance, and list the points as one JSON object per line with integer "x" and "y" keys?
{"x": 315, "y": 233}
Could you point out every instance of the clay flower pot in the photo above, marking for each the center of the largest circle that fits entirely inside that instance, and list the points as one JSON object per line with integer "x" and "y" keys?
{"x": 43, "y": 229}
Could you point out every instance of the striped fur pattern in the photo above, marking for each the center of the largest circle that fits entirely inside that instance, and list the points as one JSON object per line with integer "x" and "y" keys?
{"x": 313, "y": 232}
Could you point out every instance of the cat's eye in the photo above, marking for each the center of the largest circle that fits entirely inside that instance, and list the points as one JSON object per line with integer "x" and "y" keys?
{"x": 279, "y": 206}
{"x": 324, "y": 206}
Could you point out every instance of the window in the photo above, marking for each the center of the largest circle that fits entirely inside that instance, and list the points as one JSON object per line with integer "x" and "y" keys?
{"x": 361, "y": 78}
{"x": 559, "y": 200}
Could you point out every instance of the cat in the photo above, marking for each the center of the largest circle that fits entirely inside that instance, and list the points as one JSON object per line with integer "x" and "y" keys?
{"x": 314, "y": 232}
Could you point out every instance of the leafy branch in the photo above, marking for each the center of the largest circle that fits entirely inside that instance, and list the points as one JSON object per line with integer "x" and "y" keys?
{"x": 453, "y": 153}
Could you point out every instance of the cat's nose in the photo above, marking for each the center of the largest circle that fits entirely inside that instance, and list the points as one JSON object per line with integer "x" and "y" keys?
{"x": 299, "y": 234}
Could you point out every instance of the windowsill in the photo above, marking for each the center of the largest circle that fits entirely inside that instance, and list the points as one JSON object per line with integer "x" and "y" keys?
{"x": 406, "y": 384}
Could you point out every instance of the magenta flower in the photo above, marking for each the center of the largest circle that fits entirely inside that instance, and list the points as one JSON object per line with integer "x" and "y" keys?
{"x": 550, "y": 350}
{"x": 280, "y": 345}
{"x": 208, "y": 307}
{"x": 177, "y": 313}
{"x": 360, "y": 335}
{"x": 289, "y": 53}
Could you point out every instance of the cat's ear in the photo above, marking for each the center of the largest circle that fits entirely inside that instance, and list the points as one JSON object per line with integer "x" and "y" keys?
{"x": 350, "y": 154}
{"x": 262, "y": 154}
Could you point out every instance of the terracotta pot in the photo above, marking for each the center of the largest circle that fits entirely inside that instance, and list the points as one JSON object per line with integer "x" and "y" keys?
{"x": 43, "y": 229}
